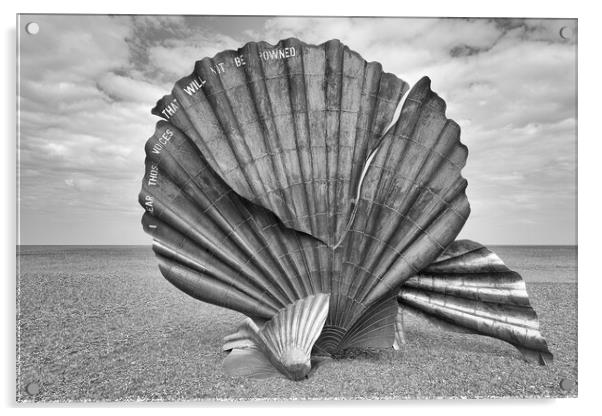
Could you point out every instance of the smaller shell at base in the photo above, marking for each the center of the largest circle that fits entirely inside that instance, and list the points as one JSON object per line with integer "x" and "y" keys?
{"x": 297, "y": 363}
{"x": 283, "y": 343}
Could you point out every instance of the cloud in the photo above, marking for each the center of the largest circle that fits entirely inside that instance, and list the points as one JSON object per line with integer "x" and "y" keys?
{"x": 88, "y": 84}
{"x": 511, "y": 85}
{"x": 122, "y": 88}
{"x": 73, "y": 48}
{"x": 83, "y": 121}
{"x": 176, "y": 57}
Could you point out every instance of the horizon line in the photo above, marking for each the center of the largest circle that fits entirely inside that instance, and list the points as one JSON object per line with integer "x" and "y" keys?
{"x": 138, "y": 245}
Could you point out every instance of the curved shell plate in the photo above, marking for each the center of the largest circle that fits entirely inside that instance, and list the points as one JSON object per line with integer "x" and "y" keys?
{"x": 411, "y": 206}
{"x": 289, "y": 126}
{"x": 469, "y": 289}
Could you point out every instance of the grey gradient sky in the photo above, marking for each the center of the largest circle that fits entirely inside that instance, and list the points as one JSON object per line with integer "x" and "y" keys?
{"x": 87, "y": 84}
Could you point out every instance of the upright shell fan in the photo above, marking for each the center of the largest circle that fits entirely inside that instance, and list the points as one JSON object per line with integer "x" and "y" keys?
{"x": 288, "y": 127}
{"x": 274, "y": 188}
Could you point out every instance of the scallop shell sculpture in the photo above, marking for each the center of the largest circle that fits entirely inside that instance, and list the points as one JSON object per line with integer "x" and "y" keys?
{"x": 277, "y": 186}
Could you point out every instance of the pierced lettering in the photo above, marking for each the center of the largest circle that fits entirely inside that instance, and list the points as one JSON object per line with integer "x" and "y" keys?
{"x": 170, "y": 109}
{"x": 194, "y": 85}
{"x": 278, "y": 53}
{"x": 218, "y": 68}
{"x": 239, "y": 61}
{"x": 153, "y": 175}
{"x": 165, "y": 137}
{"x": 148, "y": 203}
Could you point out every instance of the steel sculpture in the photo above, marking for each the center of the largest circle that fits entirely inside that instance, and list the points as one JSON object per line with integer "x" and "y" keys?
{"x": 276, "y": 186}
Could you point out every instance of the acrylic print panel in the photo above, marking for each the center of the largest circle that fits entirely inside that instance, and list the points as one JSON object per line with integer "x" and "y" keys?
{"x": 225, "y": 208}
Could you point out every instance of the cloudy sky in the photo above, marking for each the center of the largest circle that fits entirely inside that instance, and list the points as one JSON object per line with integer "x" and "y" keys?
{"x": 87, "y": 84}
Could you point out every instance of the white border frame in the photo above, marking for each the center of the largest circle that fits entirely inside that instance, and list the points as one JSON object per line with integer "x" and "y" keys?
{"x": 589, "y": 152}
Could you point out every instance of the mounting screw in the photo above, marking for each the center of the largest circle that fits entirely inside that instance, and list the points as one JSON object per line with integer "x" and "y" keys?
{"x": 567, "y": 384}
{"x": 33, "y": 388}
{"x": 32, "y": 28}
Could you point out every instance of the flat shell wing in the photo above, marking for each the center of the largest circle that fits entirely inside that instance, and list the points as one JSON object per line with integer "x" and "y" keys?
{"x": 469, "y": 289}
